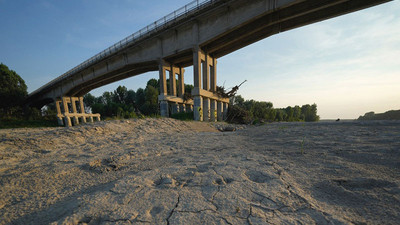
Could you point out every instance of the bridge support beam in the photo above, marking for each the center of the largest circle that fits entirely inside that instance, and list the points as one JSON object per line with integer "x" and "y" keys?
{"x": 171, "y": 99}
{"x": 64, "y": 114}
{"x": 206, "y": 101}
{"x": 219, "y": 111}
{"x": 213, "y": 110}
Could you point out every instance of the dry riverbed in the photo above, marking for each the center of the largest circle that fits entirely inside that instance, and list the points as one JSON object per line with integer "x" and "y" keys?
{"x": 164, "y": 171}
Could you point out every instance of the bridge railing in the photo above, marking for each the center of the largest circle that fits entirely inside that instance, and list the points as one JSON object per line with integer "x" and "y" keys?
{"x": 178, "y": 14}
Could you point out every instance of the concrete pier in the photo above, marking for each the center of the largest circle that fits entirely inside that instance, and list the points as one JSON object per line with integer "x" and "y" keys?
{"x": 213, "y": 110}
{"x": 64, "y": 113}
{"x": 205, "y": 86}
{"x": 171, "y": 101}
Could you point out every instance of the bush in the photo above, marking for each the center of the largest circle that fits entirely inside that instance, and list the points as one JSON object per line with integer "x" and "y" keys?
{"x": 237, "y": 114}
{"x": 183, "y": 116}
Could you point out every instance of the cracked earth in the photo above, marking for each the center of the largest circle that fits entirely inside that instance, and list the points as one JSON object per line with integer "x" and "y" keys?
{"x": 164, "y": 171}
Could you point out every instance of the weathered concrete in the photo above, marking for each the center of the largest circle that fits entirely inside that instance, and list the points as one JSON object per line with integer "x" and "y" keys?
{"x": 212, "y": 31}
{"x": 64, "y": 114}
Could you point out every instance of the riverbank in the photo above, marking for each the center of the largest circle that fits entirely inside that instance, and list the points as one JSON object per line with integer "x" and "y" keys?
{"x": 164, "y": 171}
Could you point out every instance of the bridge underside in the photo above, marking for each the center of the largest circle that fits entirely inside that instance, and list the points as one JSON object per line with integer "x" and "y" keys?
{"x": 211, "y": 33}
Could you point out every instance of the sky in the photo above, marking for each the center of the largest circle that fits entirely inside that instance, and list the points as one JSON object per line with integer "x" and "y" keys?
{"x": 347, "y": 65}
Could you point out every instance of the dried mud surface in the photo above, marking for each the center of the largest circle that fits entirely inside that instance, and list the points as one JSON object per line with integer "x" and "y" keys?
{"x": 164, "y": 171}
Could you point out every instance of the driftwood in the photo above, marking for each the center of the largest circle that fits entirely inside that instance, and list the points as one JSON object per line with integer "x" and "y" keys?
{"x": 222, "y": 92}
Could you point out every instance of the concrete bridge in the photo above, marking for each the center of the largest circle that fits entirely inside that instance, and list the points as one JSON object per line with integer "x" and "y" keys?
{"x": 194, "y": 35}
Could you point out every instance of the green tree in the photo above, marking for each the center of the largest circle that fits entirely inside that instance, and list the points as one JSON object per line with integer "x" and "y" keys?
{"x": 107, "y": 98}
{"x": 309, "y": 112}
{"x": 130, "y": 97}
{"x": 120, "y": 94}
{"x": 188, "y": 88}
{"x": 89, "y": 100}
{"x": 238, "y": 100}
{"x": 150, "y": 107}
{"x": 13, "y": 90}
{"x": 289, "y": 114}
{"x": 154, "y": 83}
{"x": 140, "y": 97}
{"x": 297, "y": 113}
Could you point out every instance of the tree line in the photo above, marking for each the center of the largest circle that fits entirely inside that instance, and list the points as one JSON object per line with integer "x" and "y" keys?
{"x": 251, "y": 111}
{"x": 389, "y": 115}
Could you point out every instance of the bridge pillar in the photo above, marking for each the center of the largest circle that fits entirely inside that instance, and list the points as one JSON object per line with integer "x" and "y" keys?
{"x": 172, "y": 98}
{"x": 225, "y": 110}
{"x": 82, "y": 109}
{"x": 219, "y": 111}
{"x": 164, "y": 108}
{"x": 64, "y": 115}
{"x": 213, "y": 110}
{"x": 172, "y": 80}
{"x": 67, "y": 119}
{"x": 198, "y": 58}
{"x": 206, "y": 109}
{"x": 74, "y": 110}
{"x": 162, "y": 67}
{"x": 197, "y": 109}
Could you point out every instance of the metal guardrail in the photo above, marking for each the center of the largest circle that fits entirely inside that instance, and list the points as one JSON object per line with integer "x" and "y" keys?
{"x": 180, "y": 13}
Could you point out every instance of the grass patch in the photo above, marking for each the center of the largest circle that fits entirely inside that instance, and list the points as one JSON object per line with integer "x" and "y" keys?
{"x": 20, "y": 123}
{"x": 183, "y": 116}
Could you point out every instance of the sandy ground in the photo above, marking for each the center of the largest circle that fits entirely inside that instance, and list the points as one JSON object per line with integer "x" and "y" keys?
{"x": 163, "y": 171}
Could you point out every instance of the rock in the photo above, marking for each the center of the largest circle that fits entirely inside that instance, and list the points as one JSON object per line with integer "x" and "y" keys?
{"x": 230, "y": 129}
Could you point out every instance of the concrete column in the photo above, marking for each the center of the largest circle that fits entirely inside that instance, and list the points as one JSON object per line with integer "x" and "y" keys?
{"x": 219, "y": 111}
{"x": 197, "y": 68}
{"x": 59, "y": 113}
{"x": 174, "y": 107}
{"x": 225, "y": 110}
{"x": 181, "y": 86}
{"x": 162, "y": 67}
{"x": 82, "y": 106}
{"x": 163, "y": 77}
{"x": 206, "y": 73}
{"x": 164, "y": 108}
{"x": 197, "y": 75}
{"x": 182, "y": 108}
{"x": 213, "y": 110}
{"x": 172, "y": 81}
{"x": 67, "y": 119}
{"x": 213, "y": 76}
{"x": 73, "y": 103}
{"x": 197, "y": 109}
{"x": 206, "y": 109}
